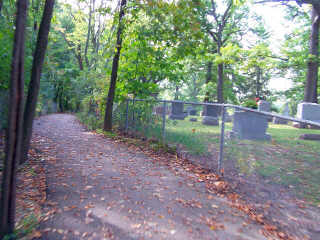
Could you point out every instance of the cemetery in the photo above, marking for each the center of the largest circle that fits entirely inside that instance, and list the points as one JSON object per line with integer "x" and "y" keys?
{"x": 159, "y": 119}
{"x": 253, "y": 145}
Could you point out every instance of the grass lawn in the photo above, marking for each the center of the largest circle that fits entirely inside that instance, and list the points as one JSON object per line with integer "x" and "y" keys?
{"x": 284, "y": 160}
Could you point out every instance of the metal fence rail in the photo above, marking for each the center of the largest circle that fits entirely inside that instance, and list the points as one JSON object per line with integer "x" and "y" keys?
{"x": 282, "y": 159}
{"x": 133, "y": 116}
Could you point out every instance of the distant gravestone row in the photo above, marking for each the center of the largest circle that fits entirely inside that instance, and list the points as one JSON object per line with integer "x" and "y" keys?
{"x": 246, "y": 124}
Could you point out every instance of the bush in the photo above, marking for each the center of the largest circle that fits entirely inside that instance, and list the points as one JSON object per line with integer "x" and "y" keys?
{"x": 250, "y": 103}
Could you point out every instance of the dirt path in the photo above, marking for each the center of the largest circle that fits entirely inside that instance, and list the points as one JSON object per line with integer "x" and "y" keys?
{"x": 101, "y": 189}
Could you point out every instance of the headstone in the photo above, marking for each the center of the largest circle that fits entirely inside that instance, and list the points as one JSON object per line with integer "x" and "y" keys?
{"x": 285, "y": 112}
{"x": 211, "y": 115}
{"x": 177, "y": 111}
{"x": 193, "y": 112}
{"x": 250, "y": 125}
{"x": 193, "y": 119}
{"x": 309, "y": 111}
{"x": 158, "y": 110}
{"x": 228, "y": 118}
{"x": 314, "y": 137}
{"x": 265, "y": 106}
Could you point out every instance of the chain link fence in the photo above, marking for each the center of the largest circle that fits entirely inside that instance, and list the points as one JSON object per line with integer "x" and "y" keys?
{"x": 261, "y": 152}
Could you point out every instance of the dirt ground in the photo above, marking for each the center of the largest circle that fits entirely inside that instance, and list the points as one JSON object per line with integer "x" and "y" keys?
{"x": 100, "y": 188}
{"x": 277, "y": 203}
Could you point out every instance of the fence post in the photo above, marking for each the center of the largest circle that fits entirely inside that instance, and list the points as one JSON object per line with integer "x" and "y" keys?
{"x": 164, "y": 122}
{"x": 133, "y": 122}
{"x": 127, "y": 115}
{"x": 220, "y": 163}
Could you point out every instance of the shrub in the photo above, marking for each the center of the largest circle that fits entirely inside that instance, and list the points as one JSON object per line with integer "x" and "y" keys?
{"x": 250, "y": 103}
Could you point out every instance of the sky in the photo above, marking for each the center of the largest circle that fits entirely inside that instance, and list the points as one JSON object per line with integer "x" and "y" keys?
{"x": 273, "y": 15}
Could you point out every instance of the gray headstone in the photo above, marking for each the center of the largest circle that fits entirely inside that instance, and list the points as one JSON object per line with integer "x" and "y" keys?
{"x": 211, "y": 115}
{"x": 228, "y": 118}
{"x": 250, "y": 125}
{"x": 193, "y": 112}
{"x": 286, "y": 110}
{"x": 158, "y": 110}
{"x": 193, "y": 119}
{"x": 315, "y": 137}
{"x": 264, "y": 106}
{"x": 177, "y": 111}
{"x": 277, "y": 120}
{"x": 309, "y": 111}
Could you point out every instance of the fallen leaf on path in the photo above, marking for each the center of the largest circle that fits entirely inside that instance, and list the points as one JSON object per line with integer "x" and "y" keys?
{"x": 37, "y": 234}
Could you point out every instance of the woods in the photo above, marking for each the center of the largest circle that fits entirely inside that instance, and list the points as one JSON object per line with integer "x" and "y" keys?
{"x": 14, "y": 131}
{"x": 86, "y": 57}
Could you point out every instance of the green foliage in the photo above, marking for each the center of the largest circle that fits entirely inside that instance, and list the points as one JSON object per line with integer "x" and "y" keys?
{"x": 25, "y": 228}
{"x": 274, "y": 108}
{"x": 250, "y": 103}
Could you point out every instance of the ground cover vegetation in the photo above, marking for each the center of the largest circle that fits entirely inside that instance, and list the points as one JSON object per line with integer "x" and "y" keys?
{"x": 96, "y": 53}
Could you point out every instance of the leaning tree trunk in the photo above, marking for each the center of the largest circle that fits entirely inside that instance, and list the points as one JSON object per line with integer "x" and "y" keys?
{"x": 208, "y": 80}
{"x": 34, "y": 84}
{"x": 1, "y": 3}
{"x": 14, "y": 130}
{"x": 220, "y": 83}
{"x": 310, "y": 90}
{"x": 114, "y": 73}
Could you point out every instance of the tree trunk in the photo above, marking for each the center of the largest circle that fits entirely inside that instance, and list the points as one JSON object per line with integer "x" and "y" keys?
{"x": 220, "y": 83}
{"x": 208, "y": 80}
{"x": 1, "y": 3}
{"x": 88, "y": 33}
{"x": 176, "y": 94}
{"x": 114, "y": 73}
{"x": 34, "y": 84}
{"x": 14, "y": 130}
{"x": 258, "y": 83}
{"x": 79, "y": 58}
{"x": 310, "y": 90}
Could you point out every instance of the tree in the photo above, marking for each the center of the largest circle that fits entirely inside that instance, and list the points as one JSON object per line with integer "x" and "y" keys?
{"x": 14, "y": 130}
{"x": 114, "y": 73}
{"x": 221, "y": 29}
{"x": 310, "y": 87}
{"x": 34, "y": 84}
